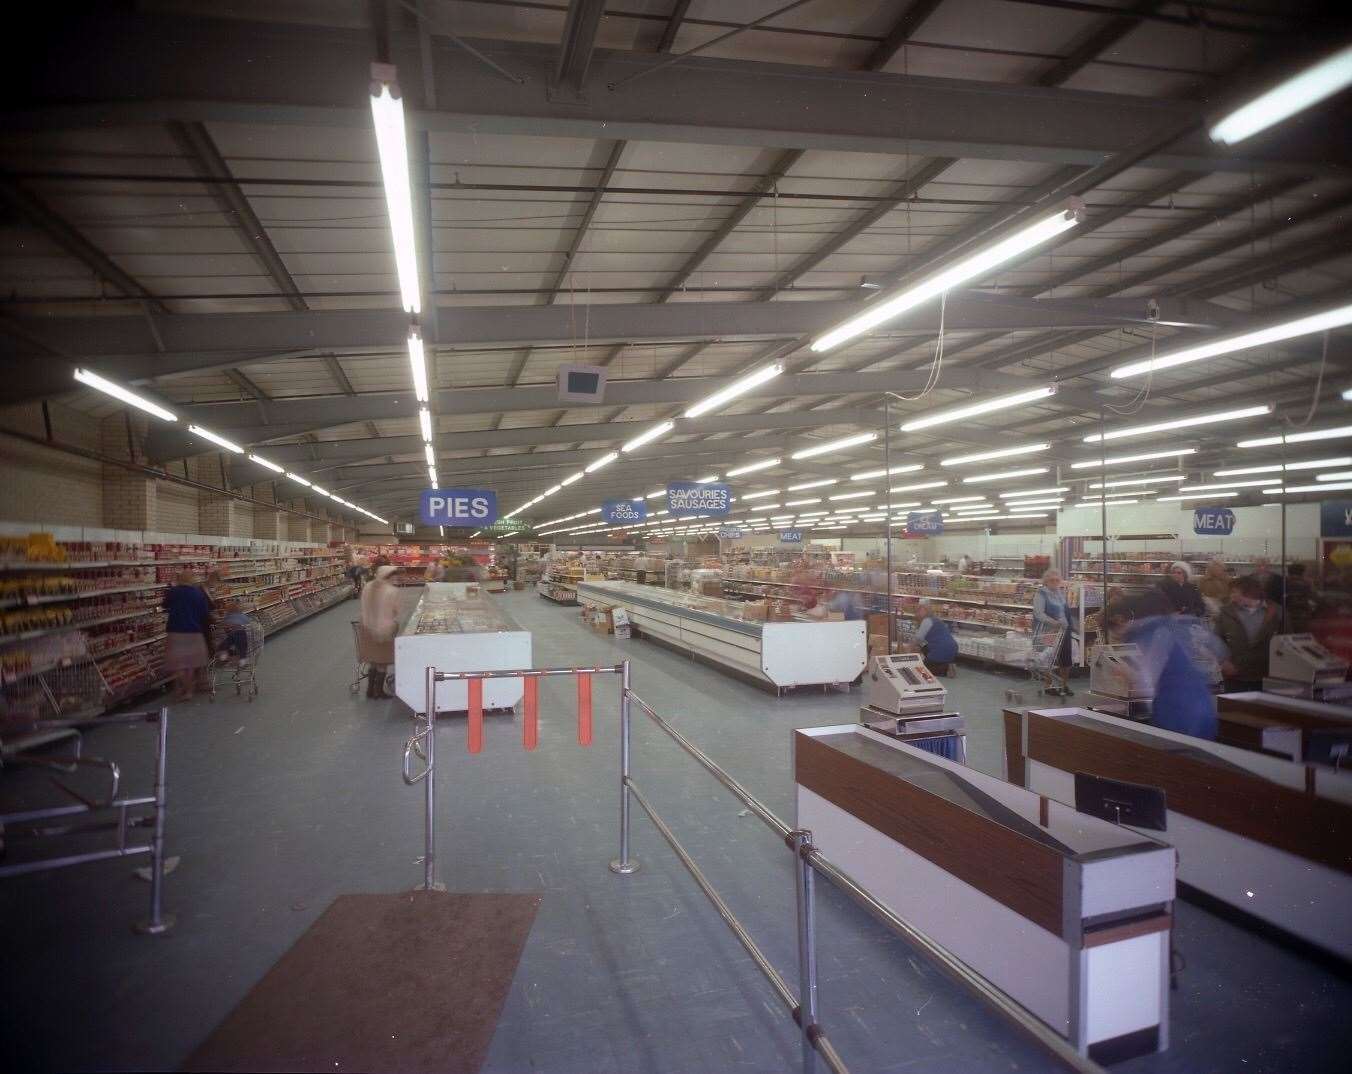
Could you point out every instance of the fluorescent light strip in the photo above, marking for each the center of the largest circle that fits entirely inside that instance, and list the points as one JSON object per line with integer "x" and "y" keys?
{"x": 1213, "y": 418}
{"x": 1004, "y": 475}
{"x": 387, "y": 113}
{"x": 298, "y": 479}
{"x": 93, "y": 380}
{"x": 1342, "y": 475}
{"x": 425, "y": 423}
{"x": 760, "y": 495}
{"x": 430, "y": 454}
{"x": 648, "y": 437}
{"x": 1001, "y": 402}
{"x": 733, "y": 390}
{"x": 985, "y": 456}
{"x": 1105, "y": 503}
{"x": 1278, "y": 467}
{"x": 1197, "y": 496}
{"x": 800, "y": 503}
{"x": 573, "y": 477}
{"x": 264, "y": 462}
{"x": 604, "y": 460}
{"x": 432, "y": 476}
{"x": 808, "y": 485}
{"x": 706, "y": 480}
{"x": 852, "y": 495}
{"x": 1253, "y": 482}
{"x": 1338, "y": 433}
{"x": 1315, "y": 83}
{"x": 752, "y": 467}
{"x": 981, "y": 263}
{"x": 958, "y": 499}
{"x": 835, "y": 445}
{"x": 919, "y": 487}
{"x": 1119, "y": 460}
{"x": 1323, "y": 321}
{"x": 1034, "y": 492}
{"x": 1332, "y": 486}
{"x": 207, "y": 434}
{"x": 417, "y": 362}
{"x": 1165, "y": 480}
{"x": 869, "y": 475}
{"x": 1010, "y": 505}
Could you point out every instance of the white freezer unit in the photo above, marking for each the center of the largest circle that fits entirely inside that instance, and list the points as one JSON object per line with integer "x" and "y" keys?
{"x": 452, "y": 630}
{"x": 778, "y": 655}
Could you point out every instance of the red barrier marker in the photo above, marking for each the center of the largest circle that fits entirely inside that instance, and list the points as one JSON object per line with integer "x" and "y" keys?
{"x": 584, "y": 710}
{"x": 476, "y": 714}
{"x": 530, "y": 727}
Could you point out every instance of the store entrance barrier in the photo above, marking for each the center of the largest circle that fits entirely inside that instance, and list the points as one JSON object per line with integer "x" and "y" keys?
{"x": 809, "y": 862}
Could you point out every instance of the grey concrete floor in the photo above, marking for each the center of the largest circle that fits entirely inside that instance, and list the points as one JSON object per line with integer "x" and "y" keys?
{"x": 279, "y": 806}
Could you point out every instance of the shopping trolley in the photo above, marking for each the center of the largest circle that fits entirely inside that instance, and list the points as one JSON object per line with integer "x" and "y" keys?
{"x": 361, "y": 670}
{"x": 236, "y": 669}
{"x": 1039, "y": 659}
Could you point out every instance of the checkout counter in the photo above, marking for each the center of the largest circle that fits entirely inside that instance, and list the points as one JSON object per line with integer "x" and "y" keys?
{"x": 1269, "y": 836}
{"x": 907, "y": 703}
{"x": 1300, "y": 667}
{"x": 1068, "y": 913}
{"x": 456, "y": 628}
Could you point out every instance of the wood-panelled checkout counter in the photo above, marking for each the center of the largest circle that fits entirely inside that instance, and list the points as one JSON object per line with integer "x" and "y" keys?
{"x": 1269, "y": 836}
{"x": 1291, "y": 727}
{"x": 1067, "y": 913}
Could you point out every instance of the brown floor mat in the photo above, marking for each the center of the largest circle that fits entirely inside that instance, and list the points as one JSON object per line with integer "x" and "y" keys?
{"x": 388, "y": 984}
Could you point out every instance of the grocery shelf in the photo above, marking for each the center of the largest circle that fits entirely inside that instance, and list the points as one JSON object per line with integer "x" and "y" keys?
{"x": 124, "y": 648}
{"x": 57, "y": 598}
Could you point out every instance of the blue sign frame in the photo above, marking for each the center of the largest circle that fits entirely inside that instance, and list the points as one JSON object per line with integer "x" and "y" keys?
{"x": 1213, "y": 520}
{"x": 623, "y": 512}
{"x": 729, "y": 533}
{"x": 791, "y": 536}
{"x": 1335, "y": 518}
{"x": 924, "y": 523}
{"x": 686, "y": 498}
{"x": 458, "y": 507}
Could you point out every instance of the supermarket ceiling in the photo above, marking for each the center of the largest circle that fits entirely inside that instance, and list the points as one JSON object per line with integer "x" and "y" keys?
{"x": 682, "y": 192}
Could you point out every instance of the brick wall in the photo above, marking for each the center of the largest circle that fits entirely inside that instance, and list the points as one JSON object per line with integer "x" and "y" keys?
{"x": 44, "y": 485}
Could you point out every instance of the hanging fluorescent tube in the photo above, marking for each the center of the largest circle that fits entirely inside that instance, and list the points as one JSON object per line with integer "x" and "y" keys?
{"x": 834, "y": 445}
{"x": 1197, "y": 496}
{"x": 760, "y": 495}
{"x": 649, "y": 436}
{"x": 919, "y": 486}
{"x": 298, "y": 479}
{"x": 802, "y": 503}
{"x": 93, "y": 380}
{"x": 322, "y": 492}
{"x": 706, "y": 480}
{"x": 604, "y": 460}
{"x": 1059, "y": 218}
{"x": 1015, "y": 505}
{"x": 1215, "y": 417}
{"x": 550, "y": 491}
{"x": 752, "y": 467}
{"x": 959, "y": 499}
{"x": 264, "y": 462}
{"x": 1001, "y": 402}
{"x": 985, "y": 456}
{"x": 1035, "y": 492}
{"x": 803, "y": 486}
{"x": 1277, "y": 467}
{"x": 1118, "y": 460}
{"x": 1004, "y": 475}
{"x": 1316, "y": 83}
{"x": 1166, "y": 479}
{"x": 431, "y": 455}
{"x": 1332, "y": 486}
{"x": 387, "y": 114}
{"x": 1339, "y": 433}
{"x": 1104, "y": 503}
{"x": 207, "y": 434}
{"x": 573, "y": 477}
{"x": 1347, "y": 394}
{"x": 869, "y": 475}
{"x": 432, "y": 476}
{"x": 851, "y": 495}
{"x": 425, "y": 423}
{"x": 733, "y": 390}
{"x": 417, "y": 360}
{"x": 1300, "y": 326}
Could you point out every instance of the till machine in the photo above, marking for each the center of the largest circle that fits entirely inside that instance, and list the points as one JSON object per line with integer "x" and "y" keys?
{"x": 1298, "y": 666}
{"x": 906, "y": 702}
{"x": 1118, "y": 684}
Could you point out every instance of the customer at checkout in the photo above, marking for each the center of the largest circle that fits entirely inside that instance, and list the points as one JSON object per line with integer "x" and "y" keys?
{"x": 1246, "y": 625}
{"x": 934, "y": 640}
{"x": 1166, "y": 644}
{"x": 1181, "y": 592}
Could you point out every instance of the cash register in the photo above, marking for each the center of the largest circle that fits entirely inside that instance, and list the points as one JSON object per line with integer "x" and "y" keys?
{"x": 1118, "y": 684}
{"x": 906, "y": 702}
{"x": 1299, "y": 666}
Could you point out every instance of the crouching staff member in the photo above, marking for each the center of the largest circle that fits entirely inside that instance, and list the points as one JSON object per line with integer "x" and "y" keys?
{"x": 934, "y": 640}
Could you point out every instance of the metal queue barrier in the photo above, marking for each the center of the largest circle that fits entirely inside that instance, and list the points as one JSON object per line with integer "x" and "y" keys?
{"x": 809, "y": 862}
{"x": 32, "y": 823}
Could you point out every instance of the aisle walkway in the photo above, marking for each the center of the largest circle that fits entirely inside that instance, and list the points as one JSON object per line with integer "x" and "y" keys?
{"x": 280, "y": 806}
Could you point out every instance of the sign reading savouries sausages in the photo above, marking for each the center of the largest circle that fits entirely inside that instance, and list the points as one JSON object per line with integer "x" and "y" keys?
{"x": 458, "y": 507}
{"x": 688, "y": 498}
{"x": 1213, "y": 521}
{"x": 623, "y": 512}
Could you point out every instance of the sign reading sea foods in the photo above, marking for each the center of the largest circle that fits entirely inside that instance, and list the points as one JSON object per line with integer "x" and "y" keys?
{"x": 1213, "y": 521}
{"x": 458, "y": 507}
{"x": 924, "y": 524}
{"x": 688, "y": 498}
{"x": 623, "y": 512}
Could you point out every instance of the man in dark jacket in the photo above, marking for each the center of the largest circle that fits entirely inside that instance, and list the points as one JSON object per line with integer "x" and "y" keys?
{"x": 1246, "y": 625}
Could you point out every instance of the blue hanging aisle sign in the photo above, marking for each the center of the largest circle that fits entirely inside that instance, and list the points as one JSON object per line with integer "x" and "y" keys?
{"x": 729, "y": 533}
{"x": 623, "y": 512}
{"x": 791, "y": 536}
{"x": 924, "y": 524}
{"x": 1335, "y": 518}
{"x": 458, "y": 507}
{"x": 1213, "y": 521}
{"x": 688, "y": 498}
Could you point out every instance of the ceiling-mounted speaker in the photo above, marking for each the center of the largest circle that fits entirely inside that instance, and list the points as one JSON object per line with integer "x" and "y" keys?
{"x": 581, "y": 383}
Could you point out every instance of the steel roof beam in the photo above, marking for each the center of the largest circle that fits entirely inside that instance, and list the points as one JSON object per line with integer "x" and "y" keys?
{"x": 116, "y": 72}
